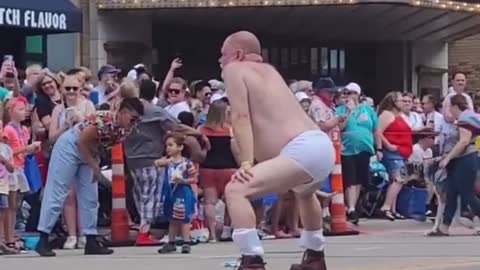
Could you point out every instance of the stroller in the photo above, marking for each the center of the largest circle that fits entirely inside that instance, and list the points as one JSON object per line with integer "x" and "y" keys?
{"x": 374, "y": 192}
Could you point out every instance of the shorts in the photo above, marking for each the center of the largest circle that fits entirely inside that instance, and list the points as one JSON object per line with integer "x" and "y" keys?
{"x": 3, "y": 201}
{"x": 394, "y": 163}
{"x": 313, "y": 152}
{"x": 216, "y": 178}
{"x": 355, "y": 169}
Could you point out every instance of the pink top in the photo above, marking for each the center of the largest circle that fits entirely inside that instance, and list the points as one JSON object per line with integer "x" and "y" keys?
{"x": 17, "y": 138}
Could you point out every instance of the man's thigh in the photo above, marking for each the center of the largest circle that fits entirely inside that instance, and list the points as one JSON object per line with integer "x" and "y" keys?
{"x": 273, "y": 176}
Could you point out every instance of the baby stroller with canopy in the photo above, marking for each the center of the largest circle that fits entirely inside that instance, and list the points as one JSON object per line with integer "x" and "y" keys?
{"x": 374, "y": 190}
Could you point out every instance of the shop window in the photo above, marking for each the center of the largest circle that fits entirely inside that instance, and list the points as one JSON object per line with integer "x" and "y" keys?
{"x": 274, "y": 57}
{"x": 304, "y": 56}
{"x": 333, "y": 62}
{"x": 284, "y": 59}
{"x": 34, "y": 44}
{"x": 341, "y": 62}
{"x": 314, "y": 60}
{"x": 265, "y": 55}
{"x": 294, "y": 56}
{"x": 324, "y": 61}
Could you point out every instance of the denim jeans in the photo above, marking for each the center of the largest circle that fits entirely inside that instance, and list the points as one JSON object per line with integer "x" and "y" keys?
{"x": 67, "y": 167}
{"x": 461, "y": 175}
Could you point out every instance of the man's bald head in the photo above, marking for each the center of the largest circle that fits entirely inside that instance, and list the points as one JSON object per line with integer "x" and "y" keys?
{"x": 245, "y": 41}
{"x": 241, "y": 46}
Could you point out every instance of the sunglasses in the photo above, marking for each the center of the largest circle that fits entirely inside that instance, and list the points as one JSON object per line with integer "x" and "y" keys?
{"x": 208, "y": 94}
{"x": 71, "y": 88}
{"x": 174, "y": 91}
{"x": 348, "y": 93}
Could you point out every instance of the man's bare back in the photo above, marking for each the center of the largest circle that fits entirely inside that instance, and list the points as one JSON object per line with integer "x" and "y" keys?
{"x": 276, "y": 116}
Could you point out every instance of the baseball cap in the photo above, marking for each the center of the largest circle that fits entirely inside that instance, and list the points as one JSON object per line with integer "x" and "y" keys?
{"x": 354, "y": 87}
{"x": 325, "y": 83}
{"x": 301, "y": 96}
{"x": 218, "y": 96}
{"x": 107, "y": 69}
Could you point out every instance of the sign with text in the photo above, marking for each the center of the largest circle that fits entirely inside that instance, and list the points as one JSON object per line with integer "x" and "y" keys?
{"x": 33, "y": 19}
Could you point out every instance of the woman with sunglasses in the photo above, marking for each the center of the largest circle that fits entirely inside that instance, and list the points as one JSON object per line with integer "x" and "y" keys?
{"x": 74, "y": 160}
{"x": 357, "y": 145}
{"x": 176, "y": 97}
{"x": 71, "y": 111}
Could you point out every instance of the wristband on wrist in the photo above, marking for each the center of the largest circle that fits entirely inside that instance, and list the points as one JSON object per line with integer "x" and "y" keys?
{"x": 247, "y": 164}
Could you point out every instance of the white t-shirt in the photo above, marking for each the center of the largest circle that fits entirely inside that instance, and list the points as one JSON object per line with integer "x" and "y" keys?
{"x": 414, "y": 120}
{"x": 419, "y": 154}
{"x": 177, "y": 108}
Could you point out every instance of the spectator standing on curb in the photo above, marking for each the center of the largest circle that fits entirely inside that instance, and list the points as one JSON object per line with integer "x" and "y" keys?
{"x": 358, "y": 145}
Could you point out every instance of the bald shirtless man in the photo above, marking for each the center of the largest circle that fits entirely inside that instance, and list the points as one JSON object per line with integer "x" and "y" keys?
{"x": 271, "y": 126}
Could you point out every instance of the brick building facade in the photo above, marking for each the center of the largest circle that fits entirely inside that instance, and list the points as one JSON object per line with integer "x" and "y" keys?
{"x": 464, "y": 55}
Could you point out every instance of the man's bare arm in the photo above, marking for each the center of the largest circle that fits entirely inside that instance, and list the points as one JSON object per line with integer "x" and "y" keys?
{"x": 237, "y": 93}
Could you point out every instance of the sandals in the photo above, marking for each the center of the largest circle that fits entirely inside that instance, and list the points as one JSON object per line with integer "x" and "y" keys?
{"x": 437, "y": 233}
{"x": 388, "y": 215}
{"x": 398, "y": 216}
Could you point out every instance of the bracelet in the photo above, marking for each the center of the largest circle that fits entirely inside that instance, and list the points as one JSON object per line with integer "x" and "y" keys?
{"x": 246, "y": 164}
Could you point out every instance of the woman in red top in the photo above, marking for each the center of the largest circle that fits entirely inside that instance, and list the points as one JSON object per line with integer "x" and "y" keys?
{"x": 394, "y": 149}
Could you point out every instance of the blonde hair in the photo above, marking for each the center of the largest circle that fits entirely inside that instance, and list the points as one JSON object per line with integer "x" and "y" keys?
{"x": 128, "y": 89}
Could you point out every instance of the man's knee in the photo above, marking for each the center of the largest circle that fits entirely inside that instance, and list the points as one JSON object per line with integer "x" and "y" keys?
{"x": 235, "y": 189}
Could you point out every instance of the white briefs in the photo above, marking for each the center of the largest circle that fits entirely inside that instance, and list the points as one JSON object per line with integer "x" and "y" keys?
{"x": 312, "y": 151}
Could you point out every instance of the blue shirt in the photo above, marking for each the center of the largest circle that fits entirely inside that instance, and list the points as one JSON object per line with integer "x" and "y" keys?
{"x": 358, "y": 135}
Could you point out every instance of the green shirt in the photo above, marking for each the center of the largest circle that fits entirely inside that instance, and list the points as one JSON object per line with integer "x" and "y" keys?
{"x": 358, "y": 135}
{"x": 4, "y": 94}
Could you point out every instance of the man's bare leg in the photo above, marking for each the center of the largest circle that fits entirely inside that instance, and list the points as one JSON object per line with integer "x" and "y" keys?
{"x": 273, "y": 176}
{"x": 312, "y": 238}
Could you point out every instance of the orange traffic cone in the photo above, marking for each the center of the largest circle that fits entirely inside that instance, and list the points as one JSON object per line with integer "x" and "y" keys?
{"x": 337, "y": 206}
{"x": 120, "y": 229}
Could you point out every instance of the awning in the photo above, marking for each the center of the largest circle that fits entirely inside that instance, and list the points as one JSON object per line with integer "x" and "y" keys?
{"x": 41, "y": 16}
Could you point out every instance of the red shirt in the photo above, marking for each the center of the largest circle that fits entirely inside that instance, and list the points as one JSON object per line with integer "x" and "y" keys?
{"x": 399, "y": 133}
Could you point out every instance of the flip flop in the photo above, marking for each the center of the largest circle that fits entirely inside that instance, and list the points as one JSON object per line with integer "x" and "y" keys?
{"x": 437, "y": 233}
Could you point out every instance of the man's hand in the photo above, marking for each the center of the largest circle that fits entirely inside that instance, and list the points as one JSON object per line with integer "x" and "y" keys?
{"x": 176, "y": 64}
{"x": 98, "y": 176}
{"x": 242, "y": 176}
{"x": 443, "y": 164}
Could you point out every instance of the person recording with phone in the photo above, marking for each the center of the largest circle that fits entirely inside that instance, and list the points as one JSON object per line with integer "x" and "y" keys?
{"x": 358, "y": 138}
{"x": 107, "y": 76}
{"x": 9, "y": 79}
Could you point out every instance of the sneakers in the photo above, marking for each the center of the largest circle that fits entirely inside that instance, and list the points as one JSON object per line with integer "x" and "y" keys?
{"x": 81, "y": 242}
{"x": 312, "y": 260}
{"x": 353, "y": 217}
{"x": 251, "y": 263}
{"x": 186, "y": 249}
{"x": 145, "y": 239}
{"x": 467, "y": 220}
{"x": 264, "y": 236}
{"x": 96, "y": 247}
{"x": 168, "y": 248}
{"x": 43, "y": 247}
{"x": 71, "y": 243}
{"x": 226, "y": 235}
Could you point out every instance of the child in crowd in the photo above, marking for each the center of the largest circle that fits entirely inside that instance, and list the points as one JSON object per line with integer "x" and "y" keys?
{"x": 180, "y": 200}
{"x": 17, "y": 137}
{"x": 6, "y": 168}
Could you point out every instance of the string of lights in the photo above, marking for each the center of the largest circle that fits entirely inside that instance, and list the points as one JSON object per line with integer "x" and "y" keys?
{"x": 142, "y": 4}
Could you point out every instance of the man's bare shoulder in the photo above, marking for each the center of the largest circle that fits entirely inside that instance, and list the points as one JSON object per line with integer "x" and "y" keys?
{"x": 246, "y": 67}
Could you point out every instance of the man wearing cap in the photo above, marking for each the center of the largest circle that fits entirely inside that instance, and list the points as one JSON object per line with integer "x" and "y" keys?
{"x": 106, "y": 75}
{"x": 322, "y": 109}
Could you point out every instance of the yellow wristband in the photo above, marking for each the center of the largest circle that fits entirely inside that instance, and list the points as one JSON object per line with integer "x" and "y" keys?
{"x": 246, "y": 165}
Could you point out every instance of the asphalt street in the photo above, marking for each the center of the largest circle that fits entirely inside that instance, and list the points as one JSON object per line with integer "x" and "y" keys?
{"x": 381, "y": 245}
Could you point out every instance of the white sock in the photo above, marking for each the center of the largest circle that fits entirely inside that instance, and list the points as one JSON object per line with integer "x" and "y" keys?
{"x": 351, "y": 209}
{"x": 326, "y": 212}
{"x": 313, "y": 240}
{"x": 248, "y": 242}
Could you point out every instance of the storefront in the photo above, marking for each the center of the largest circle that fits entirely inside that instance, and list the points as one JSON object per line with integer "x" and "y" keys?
{"x": 383, "y": 45}
{"x": 26, "y": 24}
